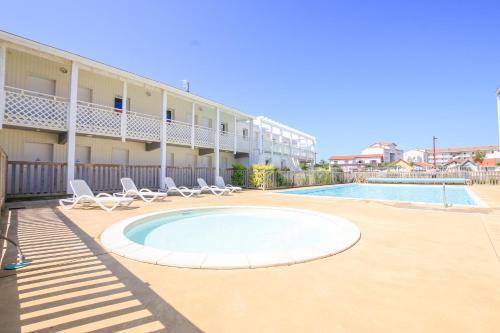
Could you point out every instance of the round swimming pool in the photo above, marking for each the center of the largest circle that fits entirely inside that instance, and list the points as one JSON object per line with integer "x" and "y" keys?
{"x": 230, "y": 237}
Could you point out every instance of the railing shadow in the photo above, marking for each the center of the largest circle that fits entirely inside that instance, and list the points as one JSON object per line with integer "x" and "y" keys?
{"x": 74, "y": 284}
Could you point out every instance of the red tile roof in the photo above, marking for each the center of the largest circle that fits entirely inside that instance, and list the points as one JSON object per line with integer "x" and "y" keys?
{"x": 424, "y": 164}
{"x": 461, "y": 149}
{"x": 489, "y": 162}
{"x": 351, "y": 157}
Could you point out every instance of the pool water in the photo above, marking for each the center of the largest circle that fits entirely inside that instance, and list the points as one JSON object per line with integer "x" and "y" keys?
{"x": 457, "y": 195}
{"x": 238, "y": 231}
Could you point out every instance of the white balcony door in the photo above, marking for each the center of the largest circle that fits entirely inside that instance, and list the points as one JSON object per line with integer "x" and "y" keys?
{"x": 38, "y": 152}
{"x": 82, "y": 154}
{"x": 206, "y": 122}
{"x": 41, "y": 85}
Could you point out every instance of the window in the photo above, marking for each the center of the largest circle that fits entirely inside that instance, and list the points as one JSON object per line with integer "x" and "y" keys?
{"x": 119, "y": 104}
{"x": 85, "y": 94}
{"x": 41, "y": 85}
{"x": 170, "y": 115}
{"x": 224, "y": 127}
{"x": 245, "y": 133}
{"x": 38, "y": 152}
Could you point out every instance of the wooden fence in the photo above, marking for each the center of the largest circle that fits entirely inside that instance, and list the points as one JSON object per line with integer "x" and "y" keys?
{"x": 3, "y": 177}
{"x": 26, "y": 179}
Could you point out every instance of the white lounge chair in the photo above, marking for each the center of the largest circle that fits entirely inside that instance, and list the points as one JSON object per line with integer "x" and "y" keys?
{"x": 184, "y": 191}
{"x": 219, "y": 182}
{"x": 131, "y": 191}
{"x": 82, "y": 194}
{"x": 213, "y": 189}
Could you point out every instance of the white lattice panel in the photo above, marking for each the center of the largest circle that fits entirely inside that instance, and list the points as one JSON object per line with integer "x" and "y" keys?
{"x": 31, "y": 109}
{"x": 243, "y": 144}
{"x": 178, "y": 133}
{"x": 226, "y": 141}
{"x": 99, "y": 120}
{"x": 204, "y": 136}
{"x": 143, "y": 127}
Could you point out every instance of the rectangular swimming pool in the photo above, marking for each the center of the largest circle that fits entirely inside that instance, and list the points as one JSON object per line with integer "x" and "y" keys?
{"x": 457, "y": 195}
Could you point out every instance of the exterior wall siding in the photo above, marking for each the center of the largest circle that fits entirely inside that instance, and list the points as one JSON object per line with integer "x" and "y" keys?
{"x": 20, "y": 65}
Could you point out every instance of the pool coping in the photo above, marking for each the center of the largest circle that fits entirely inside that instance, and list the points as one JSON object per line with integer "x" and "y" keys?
{"x": 114, "y": 240}
{"x": 479, "y": 202}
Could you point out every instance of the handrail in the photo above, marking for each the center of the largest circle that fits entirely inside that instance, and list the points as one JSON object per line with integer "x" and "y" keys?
{"x": 20, "y": 91}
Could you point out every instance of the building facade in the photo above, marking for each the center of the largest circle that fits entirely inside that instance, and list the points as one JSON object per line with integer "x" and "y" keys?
{"x": 444, "y": 155}
{"x": 416, "y": 155}
{"x": 59, "y": 107}
{"x": 355, "y": 162}
{"x": 389, "y": 151}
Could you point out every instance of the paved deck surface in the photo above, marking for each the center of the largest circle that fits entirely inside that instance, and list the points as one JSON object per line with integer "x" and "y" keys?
{"x": 415, "y": 269}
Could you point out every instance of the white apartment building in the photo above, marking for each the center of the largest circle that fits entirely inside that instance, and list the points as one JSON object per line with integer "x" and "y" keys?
{"x": 389, "y": 151}
{"x": 75, "y": 116}
{"x": 416, "y": 155}
{"x": 443, "y": 155}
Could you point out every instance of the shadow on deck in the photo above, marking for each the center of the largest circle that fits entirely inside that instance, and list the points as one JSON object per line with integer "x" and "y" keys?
{"x": 73, "y": 284}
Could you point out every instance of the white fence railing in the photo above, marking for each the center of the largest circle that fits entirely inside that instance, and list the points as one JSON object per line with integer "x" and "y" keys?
{"x": 178, "y": 132}
{"x": 226, "y": 141}
{"x": 98, "y": 120}
{"x": 141, "y": 126}
{"x": 204, "y": 137}
{"x": 32, "y": 109}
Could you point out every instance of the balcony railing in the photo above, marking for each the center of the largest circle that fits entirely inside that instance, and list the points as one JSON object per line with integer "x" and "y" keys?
{"x": 204, "y": 136}
{"x": 226, "y": 141}
{"x": 97, "y": 119}
{"x": 178, "y": 132}
{"x": 26, "y": 108}
{"x": 142, "y": 126}
{"x": 31, "y": 109}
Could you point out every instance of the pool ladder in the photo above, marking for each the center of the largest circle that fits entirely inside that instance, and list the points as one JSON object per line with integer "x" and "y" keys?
{"x": 445, "y": 197}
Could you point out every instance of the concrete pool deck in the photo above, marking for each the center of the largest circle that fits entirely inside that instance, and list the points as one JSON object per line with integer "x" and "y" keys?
{"x": 415, "y": 269}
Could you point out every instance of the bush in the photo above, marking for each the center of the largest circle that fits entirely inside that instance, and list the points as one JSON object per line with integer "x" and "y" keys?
{"x": 260, "y": 175}
{"x": 238, "y": 176}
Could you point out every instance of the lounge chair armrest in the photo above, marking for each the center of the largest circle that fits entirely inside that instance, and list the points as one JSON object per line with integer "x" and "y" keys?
{"x": 119, "y": 194}
{"x": 143, "y": 190}
{"x": 183, "y": 188}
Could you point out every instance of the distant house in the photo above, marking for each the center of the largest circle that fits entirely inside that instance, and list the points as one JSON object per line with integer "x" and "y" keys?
{"x": 415, "y": 155}
{"x": 388, "y": 150}
{"x": 490, "y": 164}
{"x": 355, "y": 162}
{"x": 464, "y": 164}
{"x": 421, "y": 166}
{"x": 402, "y": 164}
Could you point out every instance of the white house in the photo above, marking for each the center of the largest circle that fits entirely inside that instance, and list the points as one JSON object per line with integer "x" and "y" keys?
{"x": 355, "y": 162}
{"x": 76, "y": 117}
{"x": 415, "y": 155}
{"x": 443, "y": 155}
{"x": 387, "y": 149}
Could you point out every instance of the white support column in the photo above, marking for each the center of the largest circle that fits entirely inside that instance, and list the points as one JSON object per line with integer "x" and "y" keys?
{"x": 272, "y": 144}
{"x": 217, "y": 139}
{"x": 163, "y": 139}
{"x": 193, "y": 110}
{"x": 235, "y": 135}
{"x": 3, "y": 60}
{"x": 71, "y": 140}
{"x": 261, "y": 148}
{"x": 498, "y": 115}
{"x": 124, "y": 111}
{"x": 251, "y": 153}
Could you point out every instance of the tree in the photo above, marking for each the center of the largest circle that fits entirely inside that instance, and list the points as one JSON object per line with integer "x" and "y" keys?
{"x": 479, "y": 156}
{"x": 322, "y": 165}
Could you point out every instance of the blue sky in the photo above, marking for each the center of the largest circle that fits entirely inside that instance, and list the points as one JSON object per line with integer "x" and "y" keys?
{"x": 349, "y": 72}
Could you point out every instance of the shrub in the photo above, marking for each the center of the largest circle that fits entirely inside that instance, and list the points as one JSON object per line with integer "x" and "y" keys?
{"x": 238, "y": 176}
{"x": 260, "y": 175}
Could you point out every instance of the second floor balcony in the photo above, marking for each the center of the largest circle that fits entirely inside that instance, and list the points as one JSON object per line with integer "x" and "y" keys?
{"x": 29, "y": 109}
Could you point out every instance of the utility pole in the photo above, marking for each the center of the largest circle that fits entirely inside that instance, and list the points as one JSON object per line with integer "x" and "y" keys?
{"x": 434, "y": 149}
